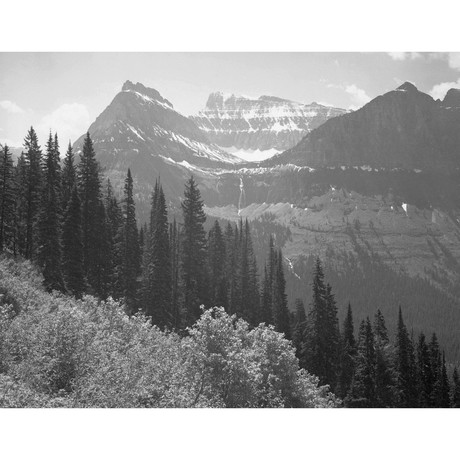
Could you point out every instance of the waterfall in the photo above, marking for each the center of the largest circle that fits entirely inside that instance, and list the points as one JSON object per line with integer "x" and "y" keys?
{"x": 242, "y": 199}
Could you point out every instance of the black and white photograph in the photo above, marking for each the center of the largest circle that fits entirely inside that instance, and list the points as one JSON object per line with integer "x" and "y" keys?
{"x": 229, "y": 229}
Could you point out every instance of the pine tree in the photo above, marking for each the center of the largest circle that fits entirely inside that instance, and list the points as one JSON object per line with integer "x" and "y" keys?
{"x": 49, "y": 219}
{"x": 157, "y": 270}
{"x": 174, "y": 245}
{"x": 424, "y": 374}
{"x": 322, "y": 345}
{"x": 193, "y": 253}
{"x": 21, "y": 180}
{"x": 300, "y": 320}
{"x": 266, "y": 307}
{"x": 435, "y": 368}
{"x": 7, "y": 200}
{"x": 362, "y": 390}
{"x": 280, "y": 309}
{"x": 217, "y": 263}
{"x": 455, "y": 389}
{"x": 32, "y": 191}
{"x": 115, "y": 236}
{"x": 385, "y": 394}
{"x": 252, "y": 299}
{"x": 89, "y": 186}
{"x": 102, "y": 258}
{"x": 406, "y": 385}
{"x": 130, "y": 247}
{"x": 444, "y": 394}
{"x": 72, "y": 248}
{"x": 69, "y": 176}
{"x": 347, "y": 355}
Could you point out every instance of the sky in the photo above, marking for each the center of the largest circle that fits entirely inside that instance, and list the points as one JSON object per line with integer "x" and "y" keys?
{"x": 65, "y": 92}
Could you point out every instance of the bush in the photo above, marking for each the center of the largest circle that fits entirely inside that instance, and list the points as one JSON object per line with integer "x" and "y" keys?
{"x": 56, "y": 351}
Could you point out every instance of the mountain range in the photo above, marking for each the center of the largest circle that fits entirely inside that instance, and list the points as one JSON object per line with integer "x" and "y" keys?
{"x": 374, "y": 192}
{"x": 256, "y": 129}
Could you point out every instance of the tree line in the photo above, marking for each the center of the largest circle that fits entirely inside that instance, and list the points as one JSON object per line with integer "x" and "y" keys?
{"x": 370, "y": 370}
{"x": 87, "y": 241}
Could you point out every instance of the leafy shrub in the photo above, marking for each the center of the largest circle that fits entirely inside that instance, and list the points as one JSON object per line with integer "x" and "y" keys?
{"x": 56, "y": 351}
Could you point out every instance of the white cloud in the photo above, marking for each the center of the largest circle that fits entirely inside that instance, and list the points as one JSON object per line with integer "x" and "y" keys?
{"x": 439, "y": 91}
{"x": 11, "y": 107}
{"x": 358, "y": 95}
{"x": 402, "y": 56}
{"x": 69, "y": 121}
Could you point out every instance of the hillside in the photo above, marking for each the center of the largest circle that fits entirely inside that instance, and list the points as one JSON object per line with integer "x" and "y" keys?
{"x": 56, "y": 351}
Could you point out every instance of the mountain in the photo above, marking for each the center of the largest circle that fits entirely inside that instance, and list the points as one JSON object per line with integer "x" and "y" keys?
{"x": 375, "y": 193}
{"x": 404, "y": 128}
{"x": 141, "y": 130}
{"x": 256, "y": 129}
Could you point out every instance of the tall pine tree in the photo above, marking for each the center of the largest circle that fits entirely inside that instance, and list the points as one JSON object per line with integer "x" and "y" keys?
{"x": 193, "y": 254}
{"x": 406, "y": 384}
{"x": 49, "y": 219}
{"x": 158, "y": 268}
{"x": 92, "y": 218}
{"x": 321, "y": 349}
{"x": 32, "y": 191}
{"x": 7, "y": 200}
{"x": 72, "y": 247}
{"x": 347, "y": 355}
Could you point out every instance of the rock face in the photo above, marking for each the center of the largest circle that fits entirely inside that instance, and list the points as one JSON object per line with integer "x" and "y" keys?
{"x": 141, "y": 130}
{"x": 256, "y": 129}
{"x": 404, "y": 128}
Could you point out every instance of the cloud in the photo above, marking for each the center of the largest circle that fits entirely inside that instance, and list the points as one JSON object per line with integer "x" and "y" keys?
{"x": 69, "y": 121}
{"x": 403, "y": 56}
{"x": 439, "y": 91}
{"x": 11, "y": 107}
{"x": 453, "y": 59}
{"x": 358, "y": 95}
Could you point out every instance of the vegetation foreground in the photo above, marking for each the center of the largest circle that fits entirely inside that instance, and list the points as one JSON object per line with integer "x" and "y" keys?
{"x": 56, "y": 351}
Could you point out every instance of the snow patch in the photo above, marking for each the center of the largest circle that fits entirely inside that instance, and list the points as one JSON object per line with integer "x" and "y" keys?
{"x": 250, "y": 154}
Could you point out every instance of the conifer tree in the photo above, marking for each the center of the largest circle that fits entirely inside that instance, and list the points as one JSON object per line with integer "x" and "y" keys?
{"x": 362, "y": 390}
{"x": 157, "y": 290}
{"x": 322, "y": 344}
{"x": 444, "y": 393}
{"x": 424, "y": 374}
{"x": 347, "y": 356}
{"x": 89, "y": 186}
{"x": 384, "y": 379}
{"x": 406, "y": 385}
{"x": 193, "y": 253}
{"x": 252, "y": 298}
{"x": 300, "y": 323}
{"x": 21, "y": 180}
{"x": 280, "y": 309}
{"x": 217, "y": 263}
{"x": 115, "y": 236}
{"x": 130, "y": 247}
{"x": 174, "y": 245}
{"x": 49, "y": 219}
{"x": 72, "y": 248}
{"x": 267, "y": 300}
{"x": 455, "y": 389}
{"x": 7, "y": 200}
{"x": 69, "y": 176}
{"x": 32, "y": 191}
{"x": 101, "y": 261}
